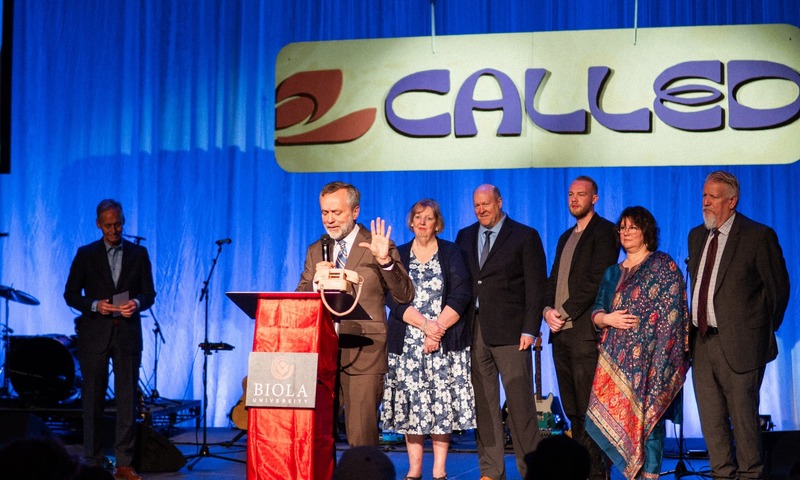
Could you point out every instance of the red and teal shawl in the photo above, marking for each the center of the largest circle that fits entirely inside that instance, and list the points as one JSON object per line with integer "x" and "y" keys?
{"x": 641, "y": 370}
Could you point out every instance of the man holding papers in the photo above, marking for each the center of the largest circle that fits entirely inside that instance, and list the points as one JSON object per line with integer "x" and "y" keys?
{"x": 110, "y": 282}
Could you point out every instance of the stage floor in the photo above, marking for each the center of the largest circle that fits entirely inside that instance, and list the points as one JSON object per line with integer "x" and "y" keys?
{"x": 462, "y": 462}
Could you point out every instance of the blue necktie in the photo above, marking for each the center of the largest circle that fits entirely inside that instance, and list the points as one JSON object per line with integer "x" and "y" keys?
{"x": 485, "y": 249}
{"x": 341, "y": 259}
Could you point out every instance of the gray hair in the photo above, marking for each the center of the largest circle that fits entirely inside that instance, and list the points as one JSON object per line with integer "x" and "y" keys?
{"x": 727, "y": 178}
{"x": 353, "y": 195}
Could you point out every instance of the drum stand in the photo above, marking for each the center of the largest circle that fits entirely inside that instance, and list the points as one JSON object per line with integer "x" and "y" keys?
{"x": 208, "y": 348}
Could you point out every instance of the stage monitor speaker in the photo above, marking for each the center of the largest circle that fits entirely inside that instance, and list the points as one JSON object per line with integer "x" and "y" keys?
{"x": 155, "y": 453}
{"x": 782, "y": 455}
{"x": 17, "y": 425}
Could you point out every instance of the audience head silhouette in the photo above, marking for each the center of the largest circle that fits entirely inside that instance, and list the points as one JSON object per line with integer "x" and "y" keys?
{"x": 558, "y": 458}
{"x": 364, "y": 462}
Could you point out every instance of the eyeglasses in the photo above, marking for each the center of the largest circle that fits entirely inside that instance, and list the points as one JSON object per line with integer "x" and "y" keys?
{"x": 629, "y": 229}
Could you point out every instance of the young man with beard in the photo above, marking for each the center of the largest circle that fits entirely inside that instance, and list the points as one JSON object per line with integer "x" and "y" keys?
{"x": 583, "y": 253}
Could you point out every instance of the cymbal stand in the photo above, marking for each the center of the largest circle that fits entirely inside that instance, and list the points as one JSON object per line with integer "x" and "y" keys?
{"x": 4, "y": 390}
{"x": 208, "y": 348}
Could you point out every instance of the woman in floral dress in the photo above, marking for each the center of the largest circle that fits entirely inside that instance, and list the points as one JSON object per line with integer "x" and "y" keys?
{"x": 428, "y": 389}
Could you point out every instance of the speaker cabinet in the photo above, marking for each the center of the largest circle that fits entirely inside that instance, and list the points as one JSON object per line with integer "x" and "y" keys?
{"x": 155, "y": 453}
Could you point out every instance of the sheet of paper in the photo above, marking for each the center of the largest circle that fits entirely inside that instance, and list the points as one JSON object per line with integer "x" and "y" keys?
{"x": 120, "y": 299}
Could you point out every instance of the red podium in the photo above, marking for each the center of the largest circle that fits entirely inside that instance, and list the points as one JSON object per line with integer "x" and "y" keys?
{"x": 295, "y": 443}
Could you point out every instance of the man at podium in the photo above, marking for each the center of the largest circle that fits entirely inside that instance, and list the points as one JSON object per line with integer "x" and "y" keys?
{"x": 363, "y": 358}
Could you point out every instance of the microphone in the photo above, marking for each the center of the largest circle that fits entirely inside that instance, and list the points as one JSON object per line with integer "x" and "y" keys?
{"x": 224, "y": 241}
{"x": 326, "y": 247}
{"x": 134, "y": 237}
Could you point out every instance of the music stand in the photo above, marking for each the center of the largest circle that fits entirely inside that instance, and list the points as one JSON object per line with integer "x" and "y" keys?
{"x": 208, "y": 348}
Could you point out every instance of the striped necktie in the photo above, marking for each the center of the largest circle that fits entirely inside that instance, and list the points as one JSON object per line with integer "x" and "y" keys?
{"x": 341, "y": 259}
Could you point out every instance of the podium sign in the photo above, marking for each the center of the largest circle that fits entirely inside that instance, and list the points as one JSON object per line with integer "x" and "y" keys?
{"x": 282, "y": 379}
{"x": 290, "y": 440}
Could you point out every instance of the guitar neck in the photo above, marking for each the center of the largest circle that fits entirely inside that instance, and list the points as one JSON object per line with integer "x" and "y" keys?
{"x": 537, "y": 356}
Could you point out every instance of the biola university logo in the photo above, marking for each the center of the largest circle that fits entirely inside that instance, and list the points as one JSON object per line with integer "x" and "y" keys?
{"x": 285, "y": 380}
{"x": 674, "y": 96}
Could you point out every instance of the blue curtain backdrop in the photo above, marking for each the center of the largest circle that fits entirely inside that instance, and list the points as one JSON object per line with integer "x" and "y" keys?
{"x": 168, "y": 106}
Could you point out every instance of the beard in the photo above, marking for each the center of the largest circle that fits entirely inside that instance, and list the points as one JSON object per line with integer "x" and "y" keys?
{"x": 709, "y": 220}
{"x": 341, "y": 232}
{"x": 581, "y": 212}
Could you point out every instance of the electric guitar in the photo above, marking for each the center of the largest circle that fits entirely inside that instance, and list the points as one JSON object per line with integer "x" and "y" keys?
{"x": 544, "y": 405}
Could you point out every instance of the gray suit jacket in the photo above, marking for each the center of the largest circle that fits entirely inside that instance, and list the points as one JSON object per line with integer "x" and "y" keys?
{"x": 751, "y": 294}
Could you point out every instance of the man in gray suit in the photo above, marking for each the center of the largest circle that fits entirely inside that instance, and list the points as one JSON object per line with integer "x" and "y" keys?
{"x": 740, "y": 290}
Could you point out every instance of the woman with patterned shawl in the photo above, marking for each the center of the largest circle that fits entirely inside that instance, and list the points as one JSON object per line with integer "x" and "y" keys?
{"x": 642, "y": 311}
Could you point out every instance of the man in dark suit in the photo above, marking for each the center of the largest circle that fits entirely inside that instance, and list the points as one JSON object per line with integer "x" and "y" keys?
{"x": 582, "y": 255}
{"x": 110, "y": 282}
{"x": 509, "y": 275}
{"x": 363, "y": 358}
{"x": 740, "y": 290}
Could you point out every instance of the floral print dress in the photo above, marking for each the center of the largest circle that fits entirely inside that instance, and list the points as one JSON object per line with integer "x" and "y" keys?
{"x": 427, "y": 393}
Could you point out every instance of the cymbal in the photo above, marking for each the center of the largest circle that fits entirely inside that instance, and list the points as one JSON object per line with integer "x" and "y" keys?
{"x": 17, "y": 296}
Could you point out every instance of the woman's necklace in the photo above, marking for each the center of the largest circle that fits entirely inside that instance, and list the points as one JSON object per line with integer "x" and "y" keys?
{"x": 635, "y": 259}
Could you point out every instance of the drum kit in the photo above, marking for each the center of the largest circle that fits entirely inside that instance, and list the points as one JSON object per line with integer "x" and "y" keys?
{"x": 42, "y": 369}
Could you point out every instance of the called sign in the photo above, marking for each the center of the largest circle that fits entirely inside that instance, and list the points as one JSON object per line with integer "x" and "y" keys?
{"x": 666, "y": 96}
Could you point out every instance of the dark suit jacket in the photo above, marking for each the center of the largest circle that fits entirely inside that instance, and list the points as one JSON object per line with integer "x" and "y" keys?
{"x": 363, "y": 342}
{"x": 90, "y": 279}
{"x": 596, "y": 250}
{"x": 456, "y": 293}
{"x": 751, "y": 294}
{"x": 511, "y": 284}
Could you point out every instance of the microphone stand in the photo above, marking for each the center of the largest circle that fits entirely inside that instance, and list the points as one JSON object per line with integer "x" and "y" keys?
{"x": 208, "y": 349}
{"x": 680, "y": 469}
{"x": 156, "y": 353}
